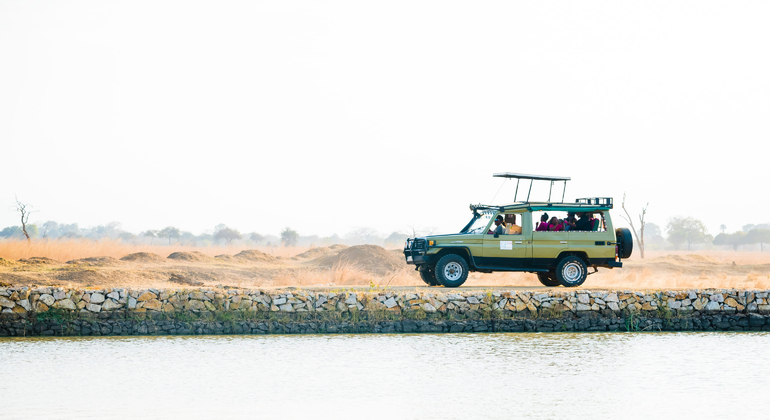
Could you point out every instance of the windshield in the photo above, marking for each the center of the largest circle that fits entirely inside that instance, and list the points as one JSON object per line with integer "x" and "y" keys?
{"x": 480, "y": 224}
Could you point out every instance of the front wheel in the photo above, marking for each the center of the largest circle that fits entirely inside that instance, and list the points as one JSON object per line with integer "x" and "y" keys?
{"x": 571, "y": 271}
{"x": 429, "y": 277}
{"x": 451, "y": 270}
{"x": 548, "y": 279}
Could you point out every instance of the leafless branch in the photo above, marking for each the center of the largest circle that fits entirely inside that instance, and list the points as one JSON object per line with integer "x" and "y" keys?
{"x": 25, "y": 212}
{"x": 638, "y": 235}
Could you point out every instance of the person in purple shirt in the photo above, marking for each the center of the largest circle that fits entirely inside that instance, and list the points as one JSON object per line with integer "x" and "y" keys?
{"x": 542, "y": 225}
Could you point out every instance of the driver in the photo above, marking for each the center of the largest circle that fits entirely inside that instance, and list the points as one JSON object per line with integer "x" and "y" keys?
{"x": 499, "y": 230}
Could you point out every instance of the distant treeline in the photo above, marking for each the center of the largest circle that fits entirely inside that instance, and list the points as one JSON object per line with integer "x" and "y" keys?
{"x": 222, "y": 234}
{"x": 680, "y": 233}
{"x": 689, "y": 233}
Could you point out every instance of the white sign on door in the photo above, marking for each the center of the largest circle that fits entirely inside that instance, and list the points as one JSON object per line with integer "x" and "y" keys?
{"x": 506, "y": 244}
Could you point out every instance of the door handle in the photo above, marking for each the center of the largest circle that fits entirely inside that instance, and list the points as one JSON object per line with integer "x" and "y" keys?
{"x": 517, "y": 242}
{"x": 563, "y": 242}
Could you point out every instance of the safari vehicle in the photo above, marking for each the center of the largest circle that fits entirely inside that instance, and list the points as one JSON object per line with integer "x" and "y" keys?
{"x": 558, "y": 257}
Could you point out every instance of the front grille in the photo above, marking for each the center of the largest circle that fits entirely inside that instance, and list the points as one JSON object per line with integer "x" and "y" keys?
{"x": 415, "y": 244}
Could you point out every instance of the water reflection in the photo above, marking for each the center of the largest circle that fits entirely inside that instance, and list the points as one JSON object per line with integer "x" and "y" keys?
{"x": 385, "y": 376}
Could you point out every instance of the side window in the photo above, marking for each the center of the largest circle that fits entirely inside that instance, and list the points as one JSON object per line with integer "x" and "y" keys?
{"x": 512, "y": 224}
{"x": 590, "y": 222}
{"x": 553, "y": 221}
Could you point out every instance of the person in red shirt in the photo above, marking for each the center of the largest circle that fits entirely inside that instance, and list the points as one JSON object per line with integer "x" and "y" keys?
{"x": 542, "y": 225}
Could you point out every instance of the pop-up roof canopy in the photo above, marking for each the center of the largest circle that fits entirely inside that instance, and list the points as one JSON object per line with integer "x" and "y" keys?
{"x": 532, "y": 178}
{"x": 528, "y": 176}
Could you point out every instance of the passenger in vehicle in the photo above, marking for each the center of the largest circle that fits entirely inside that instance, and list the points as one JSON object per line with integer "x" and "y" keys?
{"x": 569, "y": 222}
{"x": 499, "y": 230}
{"x": 585, "y": 223}
{"x": 511, "y": 227}
{"x": 555, "y": 225}
{"x": 542, "y": 225}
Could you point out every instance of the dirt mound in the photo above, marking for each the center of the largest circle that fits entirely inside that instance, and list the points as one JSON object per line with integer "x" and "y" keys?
{"x": 39, "y": 260}
{"x": 313, "y": 253}
{"x": 371, "y": 258}
{"x": 398, "y": 253}
{"x": 143, "y": 257}
{"x": 179, "y": 279}
{"x": 701, "y": 259}
{"x": 226, "y": 258}
{"x": 338, "y": 246}
{"x": 254, "y": 255}
{"x": 194, "y": 256}
{"x": 95, "y": 261}
{"x": 6, "y": 263}
{"x": 688, "y": 259}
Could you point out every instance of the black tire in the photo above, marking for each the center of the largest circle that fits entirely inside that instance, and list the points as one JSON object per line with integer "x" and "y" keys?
{"x": 548, "y": 279}
{"x": 625, "y": 242}
{"x": 571, "y": 271}
{"x": 428, "y": 277}
{"x": 451, "y": 270}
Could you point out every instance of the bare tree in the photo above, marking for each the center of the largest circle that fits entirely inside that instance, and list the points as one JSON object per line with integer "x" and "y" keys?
{"x": 639, "y": 235}
{"x": 25, "y": 212}
{"x": 426, "y": 231}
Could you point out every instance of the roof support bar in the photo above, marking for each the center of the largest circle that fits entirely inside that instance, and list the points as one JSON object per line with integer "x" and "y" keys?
{"x": 549, "y": 192}
{"x": 564, "y": 191}
{"x": 530, "y": 189}
{"x": 517, "y": 190}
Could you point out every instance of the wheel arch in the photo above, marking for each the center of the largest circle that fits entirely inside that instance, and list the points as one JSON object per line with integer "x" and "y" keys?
{"x": 464, "y": 252}
{"x": 579, "y": 254}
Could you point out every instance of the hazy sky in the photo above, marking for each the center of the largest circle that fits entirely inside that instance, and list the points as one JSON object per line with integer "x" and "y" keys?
{"x": 328, "y": 116}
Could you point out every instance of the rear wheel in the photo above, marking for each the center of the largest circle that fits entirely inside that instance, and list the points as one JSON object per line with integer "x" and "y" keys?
{"x": 548, "y": 279}
{"x": 571, "y": 271}
{"x": 451, "y": 270}
{"x": 429, "y": 277}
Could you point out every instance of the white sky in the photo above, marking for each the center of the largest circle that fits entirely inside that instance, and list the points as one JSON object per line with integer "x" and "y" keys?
{"x": 328, "y": 116}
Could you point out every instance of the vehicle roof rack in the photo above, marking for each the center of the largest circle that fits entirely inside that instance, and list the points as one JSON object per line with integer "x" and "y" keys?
{"x": 596, "y": 201}
{"x": 532, "y": 178}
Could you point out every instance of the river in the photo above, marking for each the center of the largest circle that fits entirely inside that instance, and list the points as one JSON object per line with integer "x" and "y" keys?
{"x": 449, "y": 376}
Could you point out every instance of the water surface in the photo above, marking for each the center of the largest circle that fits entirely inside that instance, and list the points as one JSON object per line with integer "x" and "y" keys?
{"x": 443, "y": 376}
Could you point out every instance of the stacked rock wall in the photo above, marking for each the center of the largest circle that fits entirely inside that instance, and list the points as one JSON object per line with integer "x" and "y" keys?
{"x": 58, "y": 311}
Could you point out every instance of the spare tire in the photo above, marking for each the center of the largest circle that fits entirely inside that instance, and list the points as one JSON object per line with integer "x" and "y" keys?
{"x": 625, "y": 242}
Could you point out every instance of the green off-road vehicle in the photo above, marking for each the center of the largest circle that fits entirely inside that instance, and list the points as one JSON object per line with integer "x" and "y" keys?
{"x": 558, "y": 241}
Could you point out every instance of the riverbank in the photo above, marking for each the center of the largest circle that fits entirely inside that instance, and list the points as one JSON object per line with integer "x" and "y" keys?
{"x": 83, "y": 312}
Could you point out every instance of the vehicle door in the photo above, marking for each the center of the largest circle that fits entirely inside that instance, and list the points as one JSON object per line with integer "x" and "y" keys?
{"x": 507, "y": 250}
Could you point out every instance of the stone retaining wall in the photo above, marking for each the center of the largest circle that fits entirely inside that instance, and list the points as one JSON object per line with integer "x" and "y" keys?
{"x": 58, "y": 311}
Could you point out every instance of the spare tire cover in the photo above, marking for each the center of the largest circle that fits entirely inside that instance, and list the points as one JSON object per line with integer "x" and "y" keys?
{"x": 625, "y": 242}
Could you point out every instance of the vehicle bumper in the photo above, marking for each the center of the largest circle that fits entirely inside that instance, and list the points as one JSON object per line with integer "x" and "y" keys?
{"x": 416, "y": 257}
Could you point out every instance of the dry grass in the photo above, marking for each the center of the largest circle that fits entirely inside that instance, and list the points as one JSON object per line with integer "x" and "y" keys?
{"x": 66, "y": 250}
{"x": 660, "y": 270}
